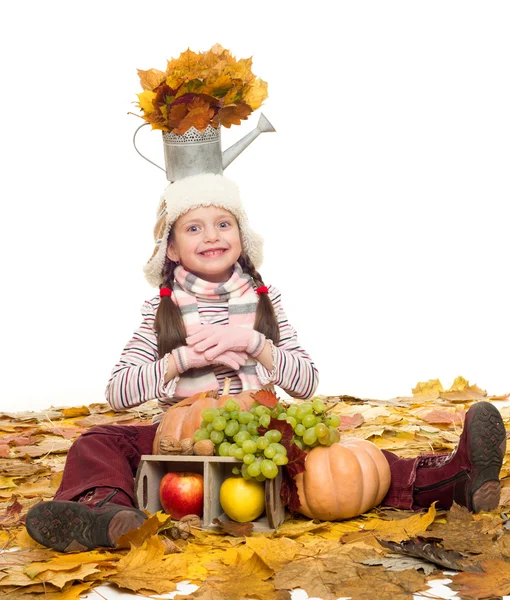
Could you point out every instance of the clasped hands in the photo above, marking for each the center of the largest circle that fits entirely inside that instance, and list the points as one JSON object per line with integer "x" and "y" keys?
{"x": 228, "y": 345}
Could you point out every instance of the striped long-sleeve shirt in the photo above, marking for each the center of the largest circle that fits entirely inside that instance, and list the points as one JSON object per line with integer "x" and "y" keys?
{"x": 139, "y": 375}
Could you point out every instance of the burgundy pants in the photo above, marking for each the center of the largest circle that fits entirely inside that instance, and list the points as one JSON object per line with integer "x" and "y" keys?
{"x": 109, "y": 455}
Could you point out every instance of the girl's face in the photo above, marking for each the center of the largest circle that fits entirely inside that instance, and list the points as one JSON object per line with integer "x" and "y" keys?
{"x": 206, "y": 241}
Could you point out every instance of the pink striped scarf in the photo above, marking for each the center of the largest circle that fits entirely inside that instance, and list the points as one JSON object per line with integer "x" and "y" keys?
{"x": 242, "y": 305}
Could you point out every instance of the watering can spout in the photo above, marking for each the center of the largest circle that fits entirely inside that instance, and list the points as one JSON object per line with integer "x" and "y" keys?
{"x": 230, "y": 154}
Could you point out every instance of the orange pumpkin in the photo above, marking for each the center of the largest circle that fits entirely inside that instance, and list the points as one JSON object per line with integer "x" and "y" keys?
{"x": 343, "y": 480}
{"x": 183, "y": 419}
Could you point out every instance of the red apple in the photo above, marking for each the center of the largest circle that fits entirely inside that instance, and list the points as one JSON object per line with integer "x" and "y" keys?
{"x": 182, "y": 494}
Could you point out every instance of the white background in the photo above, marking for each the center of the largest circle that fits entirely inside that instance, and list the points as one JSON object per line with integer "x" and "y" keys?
{"x": 382, "y": 197}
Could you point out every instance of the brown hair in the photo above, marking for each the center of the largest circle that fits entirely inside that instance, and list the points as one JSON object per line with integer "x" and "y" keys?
{"x": 169, "y": 324}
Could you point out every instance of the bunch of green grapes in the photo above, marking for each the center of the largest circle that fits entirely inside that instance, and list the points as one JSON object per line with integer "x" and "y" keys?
{"x": 235, "y": 433}
{"x": 311, "y": 424}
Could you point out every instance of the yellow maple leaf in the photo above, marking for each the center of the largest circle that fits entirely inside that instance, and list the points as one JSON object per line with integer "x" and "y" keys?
{"x": 395, "y": 530}
{"x": 461, "y": 391}
{"x": 146, "y": 530}
{"x": 431, "y": 388}
{"x": 294, "y": 528}
{"x": 256, "y": 93}
{"x": 73, "y": 593}
{"x": 145, "y": 101}
{"x": 7, "y": 482}
{"x": 459, "y": 384}
{"x": 60, "y": 578}
{"x": 274, "y": 553}
{"x": 147, "y": 568}
{"x": 234, "y": 581}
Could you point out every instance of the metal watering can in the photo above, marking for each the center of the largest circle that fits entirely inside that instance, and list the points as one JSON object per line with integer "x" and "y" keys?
{"x": 196, "y": 152}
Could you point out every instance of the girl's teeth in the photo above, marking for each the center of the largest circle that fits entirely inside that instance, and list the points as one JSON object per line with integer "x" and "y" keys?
{"x": 215, "y": 253}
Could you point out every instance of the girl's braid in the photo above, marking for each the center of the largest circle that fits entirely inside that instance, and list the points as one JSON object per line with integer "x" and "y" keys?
{"x": 265, "y": 318}
{"x": 169, "y": 324}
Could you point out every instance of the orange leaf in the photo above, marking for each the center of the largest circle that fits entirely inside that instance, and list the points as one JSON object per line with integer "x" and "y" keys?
{"x": 267, "y": 398}
{"x": 199, "y": 116}
{"x": 233, "y": 114}
{"x": 177, "y": 114}
{"x": 495, "y": 581}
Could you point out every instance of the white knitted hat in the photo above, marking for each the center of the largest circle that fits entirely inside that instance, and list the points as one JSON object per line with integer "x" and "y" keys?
{"x": 191, "y": 192}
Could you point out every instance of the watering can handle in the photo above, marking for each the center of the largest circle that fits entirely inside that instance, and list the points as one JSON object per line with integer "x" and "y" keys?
{"x": 134, "y": 144}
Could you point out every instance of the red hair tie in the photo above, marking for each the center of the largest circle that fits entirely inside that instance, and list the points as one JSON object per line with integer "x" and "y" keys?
{"x": 262, "y": 290}
{"x": 165, "y": 292}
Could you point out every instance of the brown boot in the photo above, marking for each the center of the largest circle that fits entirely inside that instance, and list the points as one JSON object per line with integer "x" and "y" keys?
{"x": 91, "y": 522}
{"x": 470, "y": 475}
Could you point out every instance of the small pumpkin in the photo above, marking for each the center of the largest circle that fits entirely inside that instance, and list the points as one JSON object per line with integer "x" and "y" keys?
{"x": 343, "y": 480}
{"x": 183, "y": 419}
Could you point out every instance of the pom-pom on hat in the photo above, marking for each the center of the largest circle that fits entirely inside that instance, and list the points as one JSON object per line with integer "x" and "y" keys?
{"x": 192, "y": 192}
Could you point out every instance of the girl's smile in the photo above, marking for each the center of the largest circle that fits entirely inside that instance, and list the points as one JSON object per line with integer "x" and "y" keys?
{"x": 206, "y": 241}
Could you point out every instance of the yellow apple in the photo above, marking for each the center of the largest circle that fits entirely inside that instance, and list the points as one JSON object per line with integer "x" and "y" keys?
{"x": 242, "y": 500}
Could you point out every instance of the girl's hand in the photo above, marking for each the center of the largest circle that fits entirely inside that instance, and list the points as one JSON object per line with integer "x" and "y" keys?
{"x": 187, "y": 357}
{"x": 214, "y": 340}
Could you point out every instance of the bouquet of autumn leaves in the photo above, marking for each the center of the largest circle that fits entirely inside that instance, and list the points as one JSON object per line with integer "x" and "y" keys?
{"x": 200, "y": 89}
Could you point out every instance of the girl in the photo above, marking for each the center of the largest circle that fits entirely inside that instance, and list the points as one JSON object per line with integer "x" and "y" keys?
{"x": 215, "y": 318}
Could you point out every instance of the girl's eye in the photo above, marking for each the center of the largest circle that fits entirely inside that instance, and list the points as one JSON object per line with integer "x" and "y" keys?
{"x": 226, "y": 223}
{"x": 192, "y": 228}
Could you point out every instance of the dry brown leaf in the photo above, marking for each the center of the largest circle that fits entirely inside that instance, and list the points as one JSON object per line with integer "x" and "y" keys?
{"x": 318, "y": 575}
{"x": 430, "y": 550}
{"x": 373, "y": 582}
{"x": 461, "y": 529}
{"x": 12, "y": 515}
{"x": 24, "y": 557}
{"x": 234, "y": 529}
{"x": 50, "y": 446}
{"x": 106, "y": 419}
{"x": 17, "y": 468}
{"x": 170, "y": 546}
{"x": 151, "y": 79}
{"x": 505, "y": 496}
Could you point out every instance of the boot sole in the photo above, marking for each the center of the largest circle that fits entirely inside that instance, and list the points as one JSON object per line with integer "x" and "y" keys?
{"x": 73, "y": 526}
{"x": 487, "y": 445}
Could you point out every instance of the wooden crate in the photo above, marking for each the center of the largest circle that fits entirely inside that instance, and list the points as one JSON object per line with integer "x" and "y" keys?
{"x": 215, "y": 469}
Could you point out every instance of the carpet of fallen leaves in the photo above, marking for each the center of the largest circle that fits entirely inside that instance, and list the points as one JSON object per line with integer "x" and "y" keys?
{"x": 396, "y": 552}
